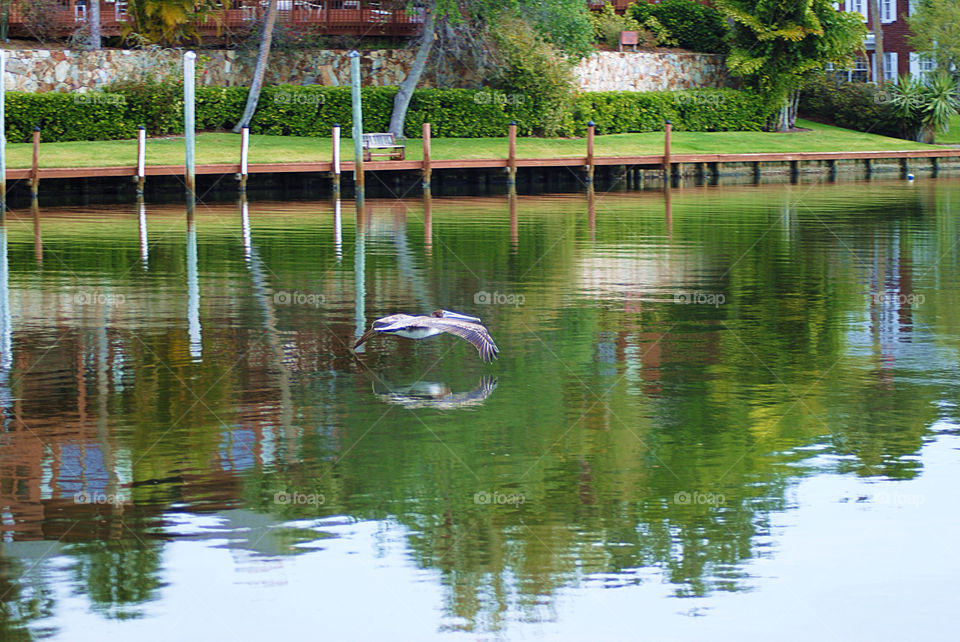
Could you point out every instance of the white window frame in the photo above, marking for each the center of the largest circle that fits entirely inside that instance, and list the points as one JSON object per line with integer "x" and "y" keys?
{"x": 891, "y": 69}
{"x": 888, "y": 11}
{"x": 858, "y": 6}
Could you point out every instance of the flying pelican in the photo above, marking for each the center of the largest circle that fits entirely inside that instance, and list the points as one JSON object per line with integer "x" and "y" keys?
{"x": 431, "y": 394}
{"x": 421, "y": 326}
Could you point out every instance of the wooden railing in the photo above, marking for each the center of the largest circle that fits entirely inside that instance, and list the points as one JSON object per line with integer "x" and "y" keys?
{"x": 340, "y": 17}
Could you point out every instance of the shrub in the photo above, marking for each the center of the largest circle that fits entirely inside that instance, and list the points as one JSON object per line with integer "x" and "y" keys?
{"x": 616, "y": 112}
{"x": 854, "y": 105}
{"x": 312, "y": 111}
{"x": 694, "y": 26}
{"x": 66, "y": 117}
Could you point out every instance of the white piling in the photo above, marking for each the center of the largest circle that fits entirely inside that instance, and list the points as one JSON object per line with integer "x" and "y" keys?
{"x": 190, "y": 120}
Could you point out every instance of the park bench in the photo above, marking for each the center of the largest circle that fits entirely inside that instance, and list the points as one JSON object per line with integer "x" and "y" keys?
{"x": 628, "y": 38}
{"x": 385, "y": 141}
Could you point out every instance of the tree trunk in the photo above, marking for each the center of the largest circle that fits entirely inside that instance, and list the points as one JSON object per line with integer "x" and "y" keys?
{"x": 94, "y": 21}
{"x": 878, "y": 40}
{"x": 402, "y": 100}
{"x": 256, "y": 83}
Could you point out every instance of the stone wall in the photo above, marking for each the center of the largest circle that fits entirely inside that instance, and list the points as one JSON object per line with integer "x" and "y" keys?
{"x": 65, "y": 70}
{"x": 52, "y": 70}
{"x": 651, "y": 71}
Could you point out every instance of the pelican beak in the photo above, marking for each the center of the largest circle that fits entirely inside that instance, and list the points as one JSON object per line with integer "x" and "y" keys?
{"x": 447, "y": 314}
{"x": 369, "y": 334}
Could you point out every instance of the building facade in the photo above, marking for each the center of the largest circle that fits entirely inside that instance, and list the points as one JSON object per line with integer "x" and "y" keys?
{"x": 899, "y": 57}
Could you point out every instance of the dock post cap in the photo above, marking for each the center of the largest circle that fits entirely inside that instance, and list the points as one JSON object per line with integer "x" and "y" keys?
{"x": 190, "y": 55}
{"x": 667, "y": 122}
{"x": 336, "y": 124}
{"x": 353, "y": 53}
{"x": 513, "y": 122}
{"x": 141, "y": 127}
{"x": 245, "y": 127}
{"x": 590, "y": 123}
{"x": 36, "y": 128}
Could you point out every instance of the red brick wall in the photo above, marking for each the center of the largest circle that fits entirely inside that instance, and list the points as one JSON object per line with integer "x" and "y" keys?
{"x": 894, "y": 34}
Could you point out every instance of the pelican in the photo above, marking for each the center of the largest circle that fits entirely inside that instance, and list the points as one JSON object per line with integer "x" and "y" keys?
{"x": 421, "y": 326}
{"x": 431, "y": 394}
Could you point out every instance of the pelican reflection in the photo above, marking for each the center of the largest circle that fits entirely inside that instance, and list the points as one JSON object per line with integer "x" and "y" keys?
{"x": 433, "y": 394}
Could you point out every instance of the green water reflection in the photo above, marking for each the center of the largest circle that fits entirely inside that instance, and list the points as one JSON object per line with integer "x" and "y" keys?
{"x": 665, "y": 377}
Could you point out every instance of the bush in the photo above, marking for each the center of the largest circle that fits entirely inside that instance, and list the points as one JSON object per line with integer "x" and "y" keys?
{"x": 66, "y": 117}
{"x": 692, "y": 25}
{"x": 854, "y": 105}
{"x": 616, "y": 112}
{"x": 290, "y": 110}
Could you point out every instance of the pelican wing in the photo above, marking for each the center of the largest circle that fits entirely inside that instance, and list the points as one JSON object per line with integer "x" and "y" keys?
{"x": 472, "y": 332}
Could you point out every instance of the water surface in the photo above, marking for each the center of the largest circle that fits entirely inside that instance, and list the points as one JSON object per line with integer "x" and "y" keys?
{"x": 728, "y": 415}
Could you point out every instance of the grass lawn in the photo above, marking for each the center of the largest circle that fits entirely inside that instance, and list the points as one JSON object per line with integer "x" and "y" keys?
{"x": 952, "y": 136}
{"x": 225, "y": 147}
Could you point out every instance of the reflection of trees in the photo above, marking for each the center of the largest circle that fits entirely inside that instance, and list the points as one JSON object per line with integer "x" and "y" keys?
{"x": 650, "y": 399}
{"x": 117, "y": 574}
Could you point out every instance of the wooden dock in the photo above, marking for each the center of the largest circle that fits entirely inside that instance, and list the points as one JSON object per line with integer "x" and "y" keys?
{"x": 649, "y": 162}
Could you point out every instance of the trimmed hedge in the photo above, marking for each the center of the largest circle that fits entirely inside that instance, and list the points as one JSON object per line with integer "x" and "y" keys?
{"x": 65, "y": 117}
{"x": 293, "y": 110}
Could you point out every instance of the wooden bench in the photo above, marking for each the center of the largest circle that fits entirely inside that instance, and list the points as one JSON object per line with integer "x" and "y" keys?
{"x": 628, "y": 38}
{"x": 384, "y": 141}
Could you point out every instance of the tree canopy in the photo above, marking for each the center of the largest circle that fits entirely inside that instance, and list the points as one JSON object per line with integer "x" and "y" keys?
{"x": 935, "y": 32}
{"x": 777, "y": 44}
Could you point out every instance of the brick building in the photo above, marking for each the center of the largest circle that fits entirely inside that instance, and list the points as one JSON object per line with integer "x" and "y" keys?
{"x": 899, "y": 57}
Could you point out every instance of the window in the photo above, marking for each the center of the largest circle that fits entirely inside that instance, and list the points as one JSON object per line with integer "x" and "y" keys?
{"x": 888, "y": 10}
{"x": 858, "y": 73}
{"x": 921, "y": 66}
{"x": 890, "y": 70}
{"x": 858, "y": 6}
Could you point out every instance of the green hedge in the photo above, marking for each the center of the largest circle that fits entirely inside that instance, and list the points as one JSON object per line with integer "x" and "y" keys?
{"x": 311, "y": 111}
{"x": 64, "y": 117}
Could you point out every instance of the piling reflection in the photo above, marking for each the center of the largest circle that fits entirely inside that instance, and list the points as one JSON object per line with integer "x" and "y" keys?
{"x": 193, "y": 290}
{"x": 624, "y": 381}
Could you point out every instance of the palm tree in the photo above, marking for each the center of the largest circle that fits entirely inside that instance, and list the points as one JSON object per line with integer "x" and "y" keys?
{"x": 256, "y": 83}
{"x": 402, "y": 100}
{"x": 94, "y": 22}
{"x": 878, "y": 43}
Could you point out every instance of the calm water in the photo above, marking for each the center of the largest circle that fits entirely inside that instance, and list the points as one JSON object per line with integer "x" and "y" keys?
{"x": 731, "y": 416}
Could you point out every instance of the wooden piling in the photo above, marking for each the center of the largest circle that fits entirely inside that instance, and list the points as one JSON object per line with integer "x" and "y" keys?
{"x": 591, "y": 128}
{"x": 356, "y": 100}
{"x": 190, "y": 124}
{"x": 667, "y": 129}
{"x": 934, "y": 166}
{"x": 512, "y": 155}
{"x": 244, "y": 156}
{"x": 794, "y": 171}
{"x": 141, "y": 158}
{"x": 427, "y": 172}
{"x": 335, "y": 165}
{"x": 867, "y": 167}
{"x": 35, "y": 169}
{"x": 3, "y": 131}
